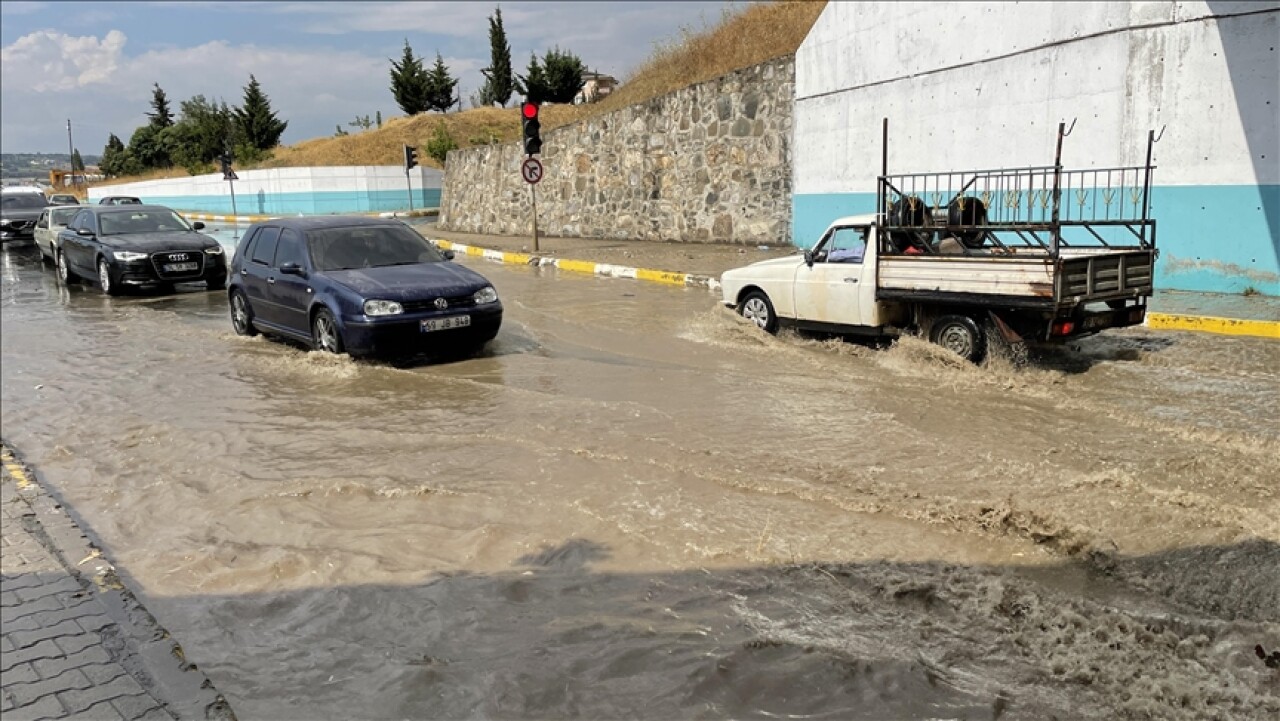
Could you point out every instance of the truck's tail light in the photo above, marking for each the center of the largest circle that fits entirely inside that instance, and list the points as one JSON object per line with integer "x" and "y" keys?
{"x": 1063, "y": 327}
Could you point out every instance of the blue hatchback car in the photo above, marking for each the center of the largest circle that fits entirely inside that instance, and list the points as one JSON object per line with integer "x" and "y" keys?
{"x": 364, "y": 286}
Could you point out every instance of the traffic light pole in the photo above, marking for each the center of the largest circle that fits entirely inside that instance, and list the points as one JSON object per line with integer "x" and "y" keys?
{"x": 409, "y": 183}
{"x": 533, "y": 195}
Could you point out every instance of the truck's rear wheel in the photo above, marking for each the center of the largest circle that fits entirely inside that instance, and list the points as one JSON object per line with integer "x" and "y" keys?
{"x": 756, "y": 308}
{"x": 961, "y": 335}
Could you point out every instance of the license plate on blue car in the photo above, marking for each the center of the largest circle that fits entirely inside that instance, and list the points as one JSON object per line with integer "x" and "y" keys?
{"x": 453, "y": 321}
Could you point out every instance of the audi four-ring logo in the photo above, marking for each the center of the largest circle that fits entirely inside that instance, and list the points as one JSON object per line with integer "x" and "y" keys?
{"x": 178, "y": 256}
{"x": 441, "y": 303}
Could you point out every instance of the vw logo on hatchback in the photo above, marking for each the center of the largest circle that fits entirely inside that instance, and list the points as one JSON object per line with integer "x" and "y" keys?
{"x": 441, "y": 303}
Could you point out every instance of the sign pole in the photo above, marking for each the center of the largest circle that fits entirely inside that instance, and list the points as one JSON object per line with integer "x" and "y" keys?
{"x": 409, "y": 184}
{"x": 533, "y": 195}
{"x": 232, "y": 183}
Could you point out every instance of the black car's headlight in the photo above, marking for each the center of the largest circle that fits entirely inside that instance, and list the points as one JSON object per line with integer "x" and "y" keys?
{"x": 213, "y": 250}
{"x": 382, "y": 307}
{"x": 485, "y": 295}
{"x": 128, "y": 256}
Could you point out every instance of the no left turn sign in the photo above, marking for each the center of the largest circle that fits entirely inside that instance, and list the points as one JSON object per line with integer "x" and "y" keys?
{"x": 531, "y": 170}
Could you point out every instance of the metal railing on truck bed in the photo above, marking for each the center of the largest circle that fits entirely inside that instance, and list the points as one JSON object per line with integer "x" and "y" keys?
{"x": 1042, "y": 231}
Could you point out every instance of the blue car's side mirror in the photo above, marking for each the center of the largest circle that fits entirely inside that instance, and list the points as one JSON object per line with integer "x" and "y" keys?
{"x": 198, "y": 225}
{"x": 448, "y": 254}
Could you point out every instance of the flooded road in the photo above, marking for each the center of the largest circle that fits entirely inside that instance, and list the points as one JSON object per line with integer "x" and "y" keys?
{"x": 633, "y": 504}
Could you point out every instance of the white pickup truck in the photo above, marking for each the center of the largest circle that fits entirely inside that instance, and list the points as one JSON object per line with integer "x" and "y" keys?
{"x": 1032, "y": 254}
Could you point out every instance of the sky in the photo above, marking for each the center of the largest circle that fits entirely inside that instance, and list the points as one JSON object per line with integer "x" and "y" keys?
{"x": 321, "y": 64}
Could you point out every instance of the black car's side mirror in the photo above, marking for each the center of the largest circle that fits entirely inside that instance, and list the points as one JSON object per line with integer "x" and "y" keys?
{"x": 293, "y": 269}
{"x": 198, "y": 225}
{"x": 84, "y": 232}
{"x": 448, "y": 254}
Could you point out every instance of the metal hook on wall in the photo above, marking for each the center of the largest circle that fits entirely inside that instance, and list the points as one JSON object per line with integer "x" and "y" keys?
{"x": 1161, "y": 135}
{"x": 1073, "y": 127}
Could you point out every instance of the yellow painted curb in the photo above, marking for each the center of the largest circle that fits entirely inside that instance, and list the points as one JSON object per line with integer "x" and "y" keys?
{"x": 577, "y": 266}
{"x": 1211, "y": 324}
{"x": 15, "y": 469}
{"x": 661, "y": 276}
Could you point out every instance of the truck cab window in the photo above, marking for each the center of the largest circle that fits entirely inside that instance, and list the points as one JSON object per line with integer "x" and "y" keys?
{"x": 846, "y": 245}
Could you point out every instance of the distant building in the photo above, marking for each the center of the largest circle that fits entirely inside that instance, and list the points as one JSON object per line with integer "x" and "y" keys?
{"x": 595, "y": 87}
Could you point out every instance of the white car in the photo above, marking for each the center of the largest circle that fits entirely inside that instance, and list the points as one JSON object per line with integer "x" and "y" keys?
{"x": 828, "y": 288}
{"x": 52, "y": 220}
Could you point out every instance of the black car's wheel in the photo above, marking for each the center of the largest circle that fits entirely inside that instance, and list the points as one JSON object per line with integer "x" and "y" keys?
{"x": 757, "y": 308}
{"x": 241, "y": 315}
{"x": 105, "y": 279}
{"x": 325, "y": 335}
{"x": 64, "y": 272}
{"x": 961, "y": 335}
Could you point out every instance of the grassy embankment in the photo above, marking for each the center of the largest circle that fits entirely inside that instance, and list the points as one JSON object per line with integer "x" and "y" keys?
{"x": 748, "y": 37}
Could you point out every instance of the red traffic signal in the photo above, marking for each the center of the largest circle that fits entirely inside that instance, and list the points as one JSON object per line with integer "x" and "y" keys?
{"x": 529, "y": 110}
{"x": 531, "y": 127}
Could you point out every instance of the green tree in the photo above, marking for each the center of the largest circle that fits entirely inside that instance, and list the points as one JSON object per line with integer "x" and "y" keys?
{"x": 77, "y": 163}
{"x": 441, "y": 143}
{"x": 160, "y": 116}
{"x": 533, "y": 85}
{"x": 564, "y": 75}
{"x": 340, "y": 132}
{"x": 200, "y": 135}
{"x": 147, "y": 148}
{"x": 379, "y": 120}
{"x": 364, "y": 123}
{"x": 259, "y": 127}
{"x": 408, "y": 82}
{"x": 112, "y": 153}
{"x": 499, "y": 83}
{"x": 439, "y": 87}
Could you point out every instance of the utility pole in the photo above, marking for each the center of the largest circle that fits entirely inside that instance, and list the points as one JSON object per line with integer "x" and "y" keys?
{"x": 71, "y": 157}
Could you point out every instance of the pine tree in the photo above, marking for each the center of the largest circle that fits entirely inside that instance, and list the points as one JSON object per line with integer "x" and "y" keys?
{"x": 533, "y": 86}
{"x": 160, "y": 115}
{"x": 408, "y": 82}
{"x": 564, "y": 75}
{"x": 113, "y": 157}
{"x": 77, "y": 163}
{"x": 258, "y": 125}
{"x": 439, "y": 87}
{"x": 498, "y": 80}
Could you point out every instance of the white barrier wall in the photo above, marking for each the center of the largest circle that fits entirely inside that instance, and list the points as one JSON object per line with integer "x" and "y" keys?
{"x": 289, "y": 191}
{"x": 969, "y": 85}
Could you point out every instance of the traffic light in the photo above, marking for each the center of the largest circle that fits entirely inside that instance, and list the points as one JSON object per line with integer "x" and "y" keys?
{"x": 410, "y": 157}
{"x": 529, "y": 119}
{"x": 224, "y": 161}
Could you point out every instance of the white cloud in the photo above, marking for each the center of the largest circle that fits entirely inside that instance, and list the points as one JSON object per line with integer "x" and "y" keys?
{"x": 48, "y": 61}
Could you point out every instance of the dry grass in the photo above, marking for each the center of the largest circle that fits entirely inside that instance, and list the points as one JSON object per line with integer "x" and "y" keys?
{"x": 754, "y": 35}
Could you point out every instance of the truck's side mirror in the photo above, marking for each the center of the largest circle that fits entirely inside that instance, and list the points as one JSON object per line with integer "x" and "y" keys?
{"x": 808, "y": 258}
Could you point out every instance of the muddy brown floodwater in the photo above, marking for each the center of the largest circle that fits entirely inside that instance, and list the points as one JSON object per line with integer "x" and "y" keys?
{"x": 635, "y": 505}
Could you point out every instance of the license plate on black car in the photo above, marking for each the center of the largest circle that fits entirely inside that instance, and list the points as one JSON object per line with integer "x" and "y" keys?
{"x": 180, "y": 267}
{"x": 453, "y": 321}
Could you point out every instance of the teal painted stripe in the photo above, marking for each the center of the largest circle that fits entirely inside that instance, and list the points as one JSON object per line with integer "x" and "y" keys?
{"x": 307, "y": 203}
{"x": 1212, "y": 238}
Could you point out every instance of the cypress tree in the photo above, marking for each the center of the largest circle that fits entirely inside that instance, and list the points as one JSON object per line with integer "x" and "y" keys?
{"x": 259, "y": 126}
{"x": 77, "y": 163}
{"x": 408, "y": 82}
{"x": 533, "y": 85}
{"x": 499, "y": 83}
{"x": 439, "y": 87}
{"x": 161, "y": 116}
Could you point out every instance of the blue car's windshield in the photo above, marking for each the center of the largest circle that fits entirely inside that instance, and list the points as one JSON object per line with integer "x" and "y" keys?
{"x": 369, "y": 246}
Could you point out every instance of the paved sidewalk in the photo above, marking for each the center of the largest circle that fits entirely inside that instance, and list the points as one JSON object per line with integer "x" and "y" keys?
{"x": 74, "y": 643}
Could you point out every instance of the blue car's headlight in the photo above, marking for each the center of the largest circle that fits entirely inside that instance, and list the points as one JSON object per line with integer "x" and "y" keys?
{"x": 382, "y": 307}
{"x": 485, "y": 295}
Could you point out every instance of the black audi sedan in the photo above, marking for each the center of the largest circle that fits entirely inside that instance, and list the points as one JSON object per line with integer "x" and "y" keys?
{"x": 363, "y": 286}
{"x": 138, "y": 245}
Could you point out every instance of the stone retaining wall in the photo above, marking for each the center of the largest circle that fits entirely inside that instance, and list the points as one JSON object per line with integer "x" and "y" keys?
{"x": 710, "y": 162}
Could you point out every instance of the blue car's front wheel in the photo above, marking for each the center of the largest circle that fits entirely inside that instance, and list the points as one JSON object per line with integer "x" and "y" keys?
{"x": 325, "y": 335}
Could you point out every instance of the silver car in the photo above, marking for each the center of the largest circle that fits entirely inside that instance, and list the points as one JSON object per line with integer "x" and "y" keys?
{"x": 52, "y": 220}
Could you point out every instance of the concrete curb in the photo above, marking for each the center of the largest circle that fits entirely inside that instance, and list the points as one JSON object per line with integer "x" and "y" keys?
{"x": 584, "y": 266}
{"x": 1212, "y": 324}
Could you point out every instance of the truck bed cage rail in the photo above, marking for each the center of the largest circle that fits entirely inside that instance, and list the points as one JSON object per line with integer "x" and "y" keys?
{"x": 1036, "y": 210}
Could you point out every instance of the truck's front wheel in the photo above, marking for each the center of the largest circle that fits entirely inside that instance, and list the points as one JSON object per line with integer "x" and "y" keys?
{"x": 755, "y": 307}
{"x": 961, "y": 335}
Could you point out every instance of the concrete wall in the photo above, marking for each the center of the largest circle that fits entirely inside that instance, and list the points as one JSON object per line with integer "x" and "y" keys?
{"x": 710, "y": 162}
{"x": 985, "y": 85}
{"x": 290, "y": 191}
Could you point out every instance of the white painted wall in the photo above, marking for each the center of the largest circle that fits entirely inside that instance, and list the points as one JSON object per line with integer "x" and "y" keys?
{"x": 985, "y": 85}
{"x": 276, "y": 181}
